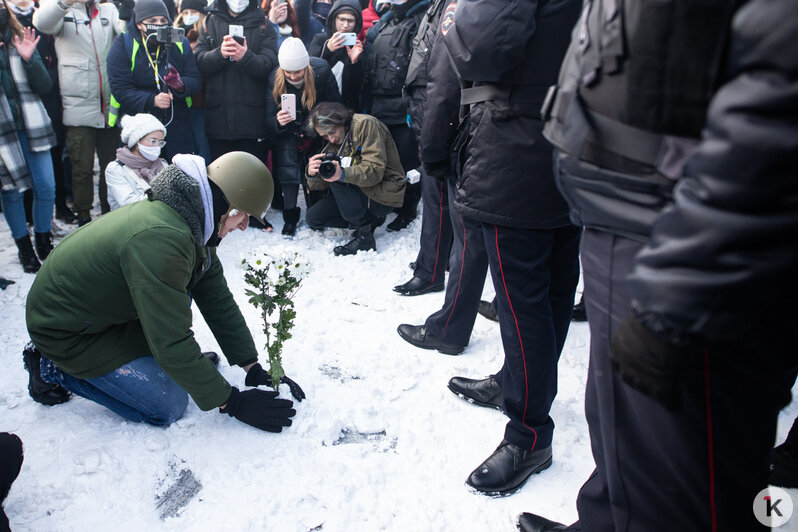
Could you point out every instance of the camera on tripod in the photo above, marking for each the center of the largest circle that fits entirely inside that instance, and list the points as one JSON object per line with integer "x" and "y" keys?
{"x": 327, "y": 168}
{"x": 168, "y": 35}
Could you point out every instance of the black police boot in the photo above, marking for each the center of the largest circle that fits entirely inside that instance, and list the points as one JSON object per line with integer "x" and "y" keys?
{"x": 30, "y": 264}
{"x": 534, "y": 523}
{"x": 417, "y": 286}
{"x": 579, "y": 311}
{"x": 362, "y": 240}
{"x": 40, "y": 391}
{"x": 83, "y": 221}
{"x": 290, "y": 219}
{"x": 44, "y": 244}
{"x": 419, "y": 337}
{"x": 505, "y": 471}
{"x": 487, "y": 310}
{"x": 10, "y": 465}
{"x": 482, "y": 392}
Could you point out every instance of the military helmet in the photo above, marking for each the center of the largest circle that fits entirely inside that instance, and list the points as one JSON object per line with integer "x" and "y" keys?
{"x": 245, "y": 182}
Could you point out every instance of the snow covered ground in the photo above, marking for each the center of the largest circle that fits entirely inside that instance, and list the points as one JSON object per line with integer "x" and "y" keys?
{"x": 379, "y": 444}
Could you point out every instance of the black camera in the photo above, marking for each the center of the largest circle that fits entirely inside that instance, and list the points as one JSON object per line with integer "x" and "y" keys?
{"x": 167, "y": 34}
{"x": 327, "y": 168}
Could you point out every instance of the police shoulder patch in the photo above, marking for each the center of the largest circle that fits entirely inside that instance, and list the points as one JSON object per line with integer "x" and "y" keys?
{"x": 447, "y": 18}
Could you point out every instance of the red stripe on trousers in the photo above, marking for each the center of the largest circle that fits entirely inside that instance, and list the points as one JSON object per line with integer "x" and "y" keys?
{"x": 520, "y": 342}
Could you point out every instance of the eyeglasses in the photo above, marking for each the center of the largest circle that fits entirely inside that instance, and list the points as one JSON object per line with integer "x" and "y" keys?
{"x": 345, "y": 20}
{"x": 152, "y": 141}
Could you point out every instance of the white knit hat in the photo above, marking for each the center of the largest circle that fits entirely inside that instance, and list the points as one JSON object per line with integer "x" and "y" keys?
{"x": 292, "y": 55}
{"x": 136, "y": 127}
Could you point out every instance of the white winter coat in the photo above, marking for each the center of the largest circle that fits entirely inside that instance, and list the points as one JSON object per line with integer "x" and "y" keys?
{"x": 81, "y": 48}
{"x": 124, "y": 186}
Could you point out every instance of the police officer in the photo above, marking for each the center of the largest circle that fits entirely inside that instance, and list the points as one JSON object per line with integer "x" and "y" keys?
{"x": 436, "y": 230}
{"x": 506, "y": 183}
{"x": 448, "y": 330}
{"x": 681, "y": 433}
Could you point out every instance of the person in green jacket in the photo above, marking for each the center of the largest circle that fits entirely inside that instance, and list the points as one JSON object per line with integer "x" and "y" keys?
{"x": 365, "y": 179}
{"x": 109, "y": 313}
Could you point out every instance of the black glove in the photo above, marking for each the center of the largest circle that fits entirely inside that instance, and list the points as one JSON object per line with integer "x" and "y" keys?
{"x": 257, "y": 376}
{"x": 437, "y": 169}
{"x": 260, "y": 409}
{"x": 649, "y": 364}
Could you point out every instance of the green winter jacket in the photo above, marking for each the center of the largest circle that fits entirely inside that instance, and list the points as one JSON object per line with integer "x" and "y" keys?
{"x": 118, "y": 288}
{"x": 376, "y": 167}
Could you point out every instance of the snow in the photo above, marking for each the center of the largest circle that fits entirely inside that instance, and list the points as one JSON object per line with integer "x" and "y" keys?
{"x": 380, "y": 443}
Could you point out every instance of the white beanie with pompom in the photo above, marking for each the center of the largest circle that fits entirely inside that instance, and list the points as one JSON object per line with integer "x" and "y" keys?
{"x": 136, "y": 127}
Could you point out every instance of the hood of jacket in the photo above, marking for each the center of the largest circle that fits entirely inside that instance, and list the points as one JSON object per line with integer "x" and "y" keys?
{"x": 349, "y": 5}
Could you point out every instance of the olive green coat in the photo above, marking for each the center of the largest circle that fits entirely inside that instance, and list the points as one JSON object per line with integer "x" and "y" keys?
{"x": 118, "y": 288}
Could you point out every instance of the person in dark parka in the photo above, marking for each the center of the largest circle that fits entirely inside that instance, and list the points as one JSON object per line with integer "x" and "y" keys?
{"x": 236, "y": 76}
{"x": 345, "y": 17}
{"x": 133, "y": 85}
{"x": 310, "y": 80}
{"x": 506, "y": 182}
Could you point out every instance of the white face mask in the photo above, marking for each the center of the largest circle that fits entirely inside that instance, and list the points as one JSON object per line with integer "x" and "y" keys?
{"x": 190, "y": 20}
{"x": 237, "y": 6}
{"x": 149, "y": 152}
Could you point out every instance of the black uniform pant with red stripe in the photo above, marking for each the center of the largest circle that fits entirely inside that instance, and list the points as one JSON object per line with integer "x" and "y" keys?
{"x": 436, "y": 230}
{"x": 698, "y": 469}
{"x": 534, "y": 273}
{"x": 468, "y": 263}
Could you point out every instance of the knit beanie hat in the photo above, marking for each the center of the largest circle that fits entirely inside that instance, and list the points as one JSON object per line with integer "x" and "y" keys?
{"x": 198, "y": 5}
{"x": 292, "y": 55}
{"x": 136, "y": 127}
{"x": 150, "y": 8}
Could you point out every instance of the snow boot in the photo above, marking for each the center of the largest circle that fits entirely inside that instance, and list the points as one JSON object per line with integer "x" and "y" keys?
{"x": 40, "y": 391}
{"x": 362, "y": 240}
{"x": 30, "y": 264}
{"x": 291, "y": 219}
{"x": 65, "y": 214}
{"x": 44, "y": 244}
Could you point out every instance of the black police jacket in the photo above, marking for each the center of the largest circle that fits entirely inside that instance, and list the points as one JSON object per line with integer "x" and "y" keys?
{"x": 515, "y": 47}
{"x": 721, "y": 261}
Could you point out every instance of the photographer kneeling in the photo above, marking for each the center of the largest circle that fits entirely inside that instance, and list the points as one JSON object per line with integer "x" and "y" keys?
{"x": 360, "y": 165}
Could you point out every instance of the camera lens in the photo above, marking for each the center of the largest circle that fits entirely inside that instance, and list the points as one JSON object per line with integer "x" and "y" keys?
{"x": 327, "y": 169}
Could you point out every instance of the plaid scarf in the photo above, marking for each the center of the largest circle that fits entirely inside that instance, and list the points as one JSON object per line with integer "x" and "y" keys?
{"x": 14, "y": 172}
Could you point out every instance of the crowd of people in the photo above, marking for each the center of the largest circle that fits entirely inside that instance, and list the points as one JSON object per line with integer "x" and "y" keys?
{"x": 546, "y": 134}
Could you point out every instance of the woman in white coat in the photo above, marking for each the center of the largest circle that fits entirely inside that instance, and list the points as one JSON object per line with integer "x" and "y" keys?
{"x": 137, "y": 162}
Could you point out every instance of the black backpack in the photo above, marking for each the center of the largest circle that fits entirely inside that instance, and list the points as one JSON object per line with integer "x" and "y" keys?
{"x": 637, "y": 79}
{"x": 389, "y": 55}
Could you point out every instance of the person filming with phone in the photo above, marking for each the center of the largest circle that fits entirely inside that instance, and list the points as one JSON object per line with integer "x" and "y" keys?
{"x": 295, "y": 87}
{"x": 152, "y": 70}
{"x": 341, "y": 46}
{"x": 361, "y": 168}
{"x": 236, "y": 51}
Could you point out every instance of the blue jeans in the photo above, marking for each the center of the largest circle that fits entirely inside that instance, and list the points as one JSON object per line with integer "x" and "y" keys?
{"x": 139, "y": 391}
{"x": 40, "y": 166}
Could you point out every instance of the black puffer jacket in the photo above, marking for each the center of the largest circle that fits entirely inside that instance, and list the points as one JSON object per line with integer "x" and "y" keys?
{"x": 721, "y": 261}
{"x": 235, "y": 97}
{"x": 352, "y": 74}
{"x": 506, "y": 177}
{"x": 288, "y": 164}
